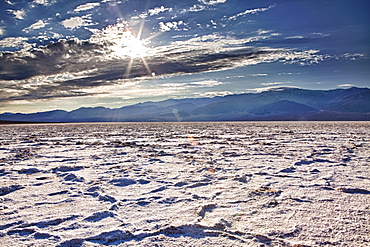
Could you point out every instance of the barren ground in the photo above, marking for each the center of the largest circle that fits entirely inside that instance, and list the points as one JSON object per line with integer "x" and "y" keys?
{"x": 185, "y": 184}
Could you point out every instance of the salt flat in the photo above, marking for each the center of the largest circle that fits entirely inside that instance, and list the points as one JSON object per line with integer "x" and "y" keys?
{"x": 185, "y": 184}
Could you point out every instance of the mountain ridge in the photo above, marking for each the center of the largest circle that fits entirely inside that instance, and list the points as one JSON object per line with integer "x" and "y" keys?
{"x": 285, "y": 104}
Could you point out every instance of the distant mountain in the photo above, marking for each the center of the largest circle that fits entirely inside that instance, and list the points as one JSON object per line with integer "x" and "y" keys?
{"x": 276, "y": 104}
{"x": 284, "y": 107}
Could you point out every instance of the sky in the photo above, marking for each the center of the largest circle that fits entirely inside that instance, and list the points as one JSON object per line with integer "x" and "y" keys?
{"x": 62, "y": 54}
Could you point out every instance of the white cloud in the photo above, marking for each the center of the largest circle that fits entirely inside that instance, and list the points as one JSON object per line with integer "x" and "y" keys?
{"x": 2, "y": 31}
{"x": 152, "y": 12}
{"x": 212, "y": 2}
{"x": 354, "y": 56}
{"x": 275, "y": 88}
{"x": 17, "y": 42}
{"x": 73, "y": 22}
{"x": 275, "y": 83}
{"x": 194, "y": 8}
{"x": 208, "y": 83}
{"x": 213, "y": 94}
{"x": 42, "y": 2}
{"x": 192, "y": 85}
{"x": 168, "y": 26}
{"x": 321, "y": 34}
{"x": 158, "y": 10}
{"x": 261, "y": 31}
{"x": 76, "y": 22}
{"x": 250, "y": 11}
{"x": 86, "y": 6}
{"x": 346, "y": 85}
{"x": 19, "y": 14}
{"x": 37, "y": 25}
{"x": 295, "y": 37}
{"x": 259, "y": 75}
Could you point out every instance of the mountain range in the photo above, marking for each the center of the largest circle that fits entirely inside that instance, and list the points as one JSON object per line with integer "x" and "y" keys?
{"x": 278, "y": 104}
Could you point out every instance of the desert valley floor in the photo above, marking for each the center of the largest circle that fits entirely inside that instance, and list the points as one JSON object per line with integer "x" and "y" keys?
{"x": 185, "y": 184}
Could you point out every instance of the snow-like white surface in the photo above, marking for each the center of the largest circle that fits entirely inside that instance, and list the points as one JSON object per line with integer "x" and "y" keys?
{"x": 185, "y": 184}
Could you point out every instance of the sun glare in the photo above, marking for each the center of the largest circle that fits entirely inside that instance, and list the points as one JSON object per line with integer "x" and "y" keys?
{"x": 128, "y": 44}
{"x": 135, "y": 48}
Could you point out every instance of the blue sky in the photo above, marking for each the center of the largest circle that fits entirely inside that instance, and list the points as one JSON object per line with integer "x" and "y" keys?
{"x": 59, "y": 54}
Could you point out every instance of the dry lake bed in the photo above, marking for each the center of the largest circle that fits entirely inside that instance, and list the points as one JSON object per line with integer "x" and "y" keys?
{"x": 185, "y": 184}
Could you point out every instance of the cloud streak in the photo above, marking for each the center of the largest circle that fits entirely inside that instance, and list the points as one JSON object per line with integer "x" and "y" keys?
{"x": 250, "y": 12}
{"x": 86, "y": 6}
{"x": 37, "y": 25}
{"x": 212, "y": 2}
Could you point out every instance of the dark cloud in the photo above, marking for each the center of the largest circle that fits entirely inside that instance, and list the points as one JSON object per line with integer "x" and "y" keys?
{"x": 58, "y": 57}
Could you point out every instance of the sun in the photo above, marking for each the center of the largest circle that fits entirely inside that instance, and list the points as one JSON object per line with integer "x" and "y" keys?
{"x": 127, "y": 45}
{"x": 136, "y": 48}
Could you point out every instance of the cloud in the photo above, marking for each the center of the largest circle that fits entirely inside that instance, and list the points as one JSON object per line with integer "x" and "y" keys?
{"x": 15, "y": 42}
{"x": 354, "y": 56}
{"x": 214, "y": 94}
{"x": 152, "y": 12}
{"x": 62, "y": 56}
{"x": 76, "y": 22}
{"x": 9, "y": 2}
{"x": 86, "y": 6}
{"x": 37, "y": 25}
{"x": 43, "y": 2}
{"x": 261, "y": 31}
{"x": 2, "y": 31}
{"x": 275, "y": 83}
{"x": 346, "y": 85}
{"x": 250, "y": 12}
{"x": 212, "y": 2}
{"x": 276, "y": 88}
{"x": 207, "y": 83}
{"x": 168, "y": 26}
{"x": 158, "y": 10}
{"x": 194, "y": 8}
{"x": 19, "y": 14}
{"x": 295, "y": 37}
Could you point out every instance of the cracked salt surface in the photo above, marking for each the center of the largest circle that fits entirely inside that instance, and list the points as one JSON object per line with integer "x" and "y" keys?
{"x": 185, "y": 184}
